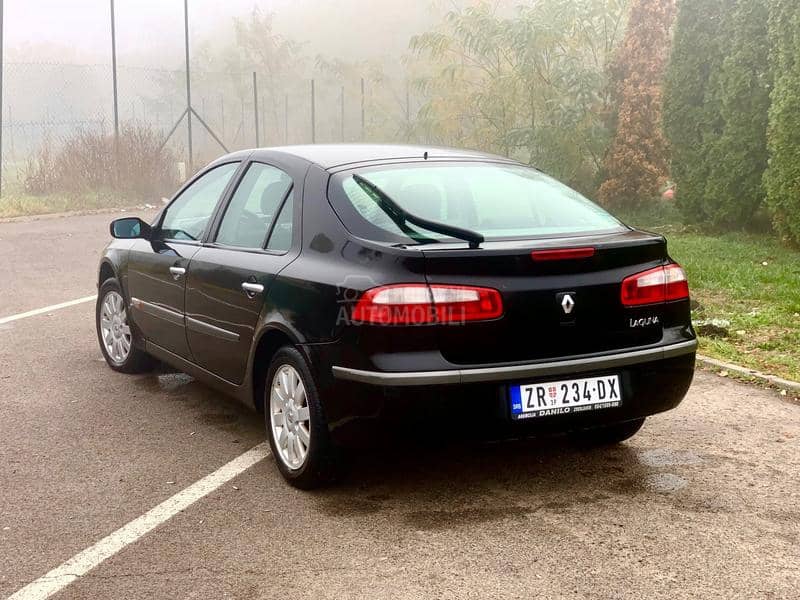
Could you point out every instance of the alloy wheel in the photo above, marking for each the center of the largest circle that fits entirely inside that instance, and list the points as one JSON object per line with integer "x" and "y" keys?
{"x": 289, "y": 417}
{"x": 114, "y": 328}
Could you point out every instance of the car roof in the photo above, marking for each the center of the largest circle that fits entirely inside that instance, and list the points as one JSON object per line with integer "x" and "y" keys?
{"x": 330, "y": 156}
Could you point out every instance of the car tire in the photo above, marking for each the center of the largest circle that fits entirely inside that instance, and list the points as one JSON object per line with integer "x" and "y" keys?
{"x": 295, "y": 422}
{"x": 609, "y": 434}
{"x": 119, "y": 341}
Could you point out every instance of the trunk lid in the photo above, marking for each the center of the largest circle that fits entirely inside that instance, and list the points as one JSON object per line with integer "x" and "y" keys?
{"x": 535, "y": 325}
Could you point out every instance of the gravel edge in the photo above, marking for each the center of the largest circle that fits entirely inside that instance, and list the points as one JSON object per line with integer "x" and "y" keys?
{"x": 750, "y": 374}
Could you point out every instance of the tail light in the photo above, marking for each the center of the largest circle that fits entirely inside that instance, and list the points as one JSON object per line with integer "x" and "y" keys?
{"x": 420, "y": 304}
{"x": 655, "y": 286}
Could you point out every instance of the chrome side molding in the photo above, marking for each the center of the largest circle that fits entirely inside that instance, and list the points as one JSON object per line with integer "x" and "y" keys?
{"x": 212, "y": 330}
{"x": 154, "y": 310}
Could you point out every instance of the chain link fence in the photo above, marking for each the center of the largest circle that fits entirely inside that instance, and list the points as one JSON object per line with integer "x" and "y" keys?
{"x": 48, "y": 104}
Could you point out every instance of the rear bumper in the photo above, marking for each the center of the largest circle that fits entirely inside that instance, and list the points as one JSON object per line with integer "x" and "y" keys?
{"x": 516, "y": 371}
{"x": 360, "y": 413}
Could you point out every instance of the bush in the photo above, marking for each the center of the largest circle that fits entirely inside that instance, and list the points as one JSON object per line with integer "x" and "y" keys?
{"x": 736, "y": 153}
{"x": 782, "y": 178}
{"x": 688, "y": 117}
{"x": 87, "y": 162}
{"x": 39, "y": 176}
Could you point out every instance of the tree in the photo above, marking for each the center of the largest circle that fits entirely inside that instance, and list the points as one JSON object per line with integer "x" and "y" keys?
{"x": 782, "y": 178}
{"x": 736, "y": 153}
{"x": 688, "y": 117}
{"x": 636, "y": 163}
{"x": 532, "y": 85}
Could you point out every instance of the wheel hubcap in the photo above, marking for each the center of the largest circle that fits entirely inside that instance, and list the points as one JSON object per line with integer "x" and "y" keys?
{"x": 114, "y": 328}
{"x": 289, "y": 417}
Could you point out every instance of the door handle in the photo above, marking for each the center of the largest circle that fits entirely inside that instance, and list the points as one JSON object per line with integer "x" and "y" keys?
{"x": 177, "y": 272}
{"x": 251, "y": 289}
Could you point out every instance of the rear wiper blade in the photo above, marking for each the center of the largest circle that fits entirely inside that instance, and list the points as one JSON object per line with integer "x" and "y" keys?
{"x": 401, "y": 216}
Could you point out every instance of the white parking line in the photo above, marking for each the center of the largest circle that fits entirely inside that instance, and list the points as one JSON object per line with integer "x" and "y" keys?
{"x": 46, "y": 309}
{"x": 88, "y": 559}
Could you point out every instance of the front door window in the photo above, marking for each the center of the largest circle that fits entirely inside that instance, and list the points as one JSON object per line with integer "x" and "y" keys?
{"x": 187, "y": 218}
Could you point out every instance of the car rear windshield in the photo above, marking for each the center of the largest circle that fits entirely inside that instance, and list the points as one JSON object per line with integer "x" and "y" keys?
{"x": 500, "y": 201}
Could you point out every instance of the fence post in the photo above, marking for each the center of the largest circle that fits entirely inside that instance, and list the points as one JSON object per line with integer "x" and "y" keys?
{"x": 114, "y": 84}
{"x": 255, "y": 109}
{"x": 204, "y": 142}
{"x": 189, "y": 169}
{"x": 264, "y": 124}
{"x": 222, "y": 113}
{"x": 313, "y": 116}
{"x": 362, "y": 109}
{"x": 408, "y": 102}
{"x": 11, "y": 132}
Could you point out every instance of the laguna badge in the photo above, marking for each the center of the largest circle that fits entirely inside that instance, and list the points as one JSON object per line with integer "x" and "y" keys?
{"x": 644, "y": 322}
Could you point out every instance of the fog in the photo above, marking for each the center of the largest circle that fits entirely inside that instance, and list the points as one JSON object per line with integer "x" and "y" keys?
{"x": 522, "y": 78}
{"x": 150, "y": 32}
{"x": 59, "y": 83}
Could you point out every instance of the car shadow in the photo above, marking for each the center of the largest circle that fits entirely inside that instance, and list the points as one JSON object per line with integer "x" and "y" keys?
{"x": 458, "y": 483}
{"x": 208, "y": 406}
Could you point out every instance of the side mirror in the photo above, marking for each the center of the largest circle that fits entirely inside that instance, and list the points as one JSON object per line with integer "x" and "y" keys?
{"x": 129, "y": 228}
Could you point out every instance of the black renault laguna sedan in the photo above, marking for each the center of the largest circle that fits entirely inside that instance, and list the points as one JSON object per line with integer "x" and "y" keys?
{"x": 338, "y": 287}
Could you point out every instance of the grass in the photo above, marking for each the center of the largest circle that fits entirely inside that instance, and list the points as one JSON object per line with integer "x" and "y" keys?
{"x": 751, "y": 280}
{"x": 14, "y": 203}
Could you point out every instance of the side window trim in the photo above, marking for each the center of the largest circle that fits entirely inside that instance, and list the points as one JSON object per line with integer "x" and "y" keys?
{"x": 216, "y": 221}
{"x": 223, "y": 199}
{"x": 275, "y": 218}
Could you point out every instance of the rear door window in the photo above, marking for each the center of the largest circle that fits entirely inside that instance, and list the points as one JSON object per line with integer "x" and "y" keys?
{"x": 254, "y": 207}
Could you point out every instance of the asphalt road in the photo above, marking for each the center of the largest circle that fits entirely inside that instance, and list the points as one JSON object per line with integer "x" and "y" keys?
{"x": 703, "y": 503}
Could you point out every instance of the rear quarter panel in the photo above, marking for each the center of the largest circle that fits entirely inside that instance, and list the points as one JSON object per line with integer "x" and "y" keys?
{"x": 313, "y": 293}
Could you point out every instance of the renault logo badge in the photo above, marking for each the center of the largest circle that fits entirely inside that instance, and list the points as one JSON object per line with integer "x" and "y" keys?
{"x": 567, "y": 304}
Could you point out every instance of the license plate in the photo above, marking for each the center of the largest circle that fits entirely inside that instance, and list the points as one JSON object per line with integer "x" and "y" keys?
{"x": 565, "y": 397}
